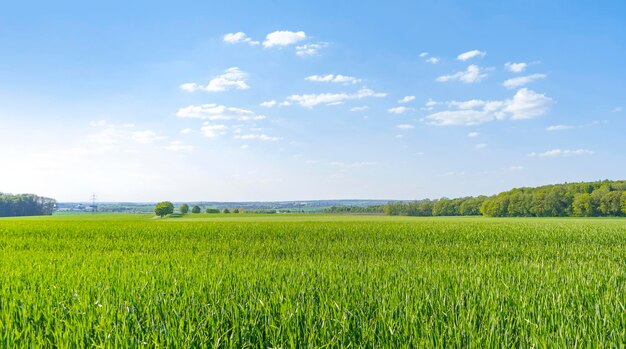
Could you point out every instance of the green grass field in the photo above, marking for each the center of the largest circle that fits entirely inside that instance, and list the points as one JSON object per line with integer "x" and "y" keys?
{"x": 314, "y": 281}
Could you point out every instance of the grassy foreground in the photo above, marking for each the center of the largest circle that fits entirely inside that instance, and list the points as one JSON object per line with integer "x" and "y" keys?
{"x": 312, "y": 281}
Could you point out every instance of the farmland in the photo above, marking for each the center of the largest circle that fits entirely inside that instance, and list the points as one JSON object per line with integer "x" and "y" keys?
{"x": 311, "y": 281}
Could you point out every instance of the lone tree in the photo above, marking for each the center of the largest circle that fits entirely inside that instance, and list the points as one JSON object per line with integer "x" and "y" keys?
{"x": 195, "y": 209}
{"x": 164, "y": 208}
{"x": 184, "y": 208}
{"x": 226, "y": 210}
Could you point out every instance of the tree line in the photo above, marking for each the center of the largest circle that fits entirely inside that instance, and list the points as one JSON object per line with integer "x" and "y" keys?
{"x": 25, "y": 205}
{"x": 585, "y": 199}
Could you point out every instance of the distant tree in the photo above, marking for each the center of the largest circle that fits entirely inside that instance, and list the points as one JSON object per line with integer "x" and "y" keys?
{"x": 164, "y": 208}
{"x": 623, "y": 203}
{"x": 226, "y": 210}
{"x": 236, "y": 210}
{"x": 212, "y": 210}
{"x": 184, "y": 208}
{"x": 610, "y": 203}
{"x": 195, "y": 209}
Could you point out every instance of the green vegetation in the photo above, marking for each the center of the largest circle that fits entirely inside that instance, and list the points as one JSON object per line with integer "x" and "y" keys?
{"x": 164, "y": 208}
{"x": 587, "y": 199}
{"x": 196, "y": 209}
{"x": 25, "y": 205}
{"x": 212, "y": 210}
{"x": 289, "y": 281}
{"x": 184, "y": 208}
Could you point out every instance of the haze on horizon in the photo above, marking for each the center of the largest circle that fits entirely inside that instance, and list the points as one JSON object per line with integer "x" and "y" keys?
{"x": 248, "y": 101}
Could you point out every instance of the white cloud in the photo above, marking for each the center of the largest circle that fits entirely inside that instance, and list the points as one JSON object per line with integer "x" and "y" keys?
{"x": 473, "y": 134}
{"x": 525, "y": 104}
{"x": 516, "y": 168}
{"x": 470, "y": 54}
{"x": 258, "y": 137}
{"x": 342, "y": 79}
{"x": 432, "y": 60}
{"x": 406, "y": 99}
{"x": 361, "y": 108}
{"x": 190, "y": 87}
{"x": 311, "y": 100}
{"x": 232, "y": 78}
{"x": 561, "y": 153}
{"x": 522, "y": 80}
{"x": 472, "y": 74}
{"x": 617, "y": 110}
{"x": 405, "y": 126}
{"x": 179, "y": 146}
{"x": 515, "y": 67}
{"x": 559, "y": 127}
{"x": 352, "y": 164}
{"x": 310, "y": 49}
{"x": 430, "y": 104}
{"x": 146, "y": 137}
{"x": 480, "y": 146}
{"x": 120, "y": 137}
{"x": 186, "y": 130}
{"x": 268, "y": 104}
{"x": 212, "y": 131}
{"x": 471, "y": 104}
{"x": 217, "y": 112}
{"x": 398, "y": 110}
{"x": 234, "y": 38}
{"x": 283, "y": 38}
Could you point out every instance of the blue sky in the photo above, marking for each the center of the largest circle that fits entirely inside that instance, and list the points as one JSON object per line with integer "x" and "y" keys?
{"x": 297, "y": 101}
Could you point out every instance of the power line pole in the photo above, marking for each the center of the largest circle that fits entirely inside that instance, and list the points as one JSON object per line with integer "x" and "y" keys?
{"x": 94, "y": 208}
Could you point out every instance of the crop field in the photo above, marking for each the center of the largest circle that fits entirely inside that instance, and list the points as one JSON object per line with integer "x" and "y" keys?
{"x": 312, "y": 281}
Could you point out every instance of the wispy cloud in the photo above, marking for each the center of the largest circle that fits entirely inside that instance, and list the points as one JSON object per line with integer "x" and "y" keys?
{"x": 361, "y": 108}
{"x": 522, "y": 80}
{"x": 430, "y": 59}
{"x": 178, "y": 146}
{"x": 312, "y": 100}
{"x": 515, "y": 67}
{"x": 473, "y": 134}
{"x": 471, "y": 54}
{"x": 312, "y": 49}
{"x": 258, "y": 137}
{"x": 472, "y": 74}
{"x": 561, "y": 153}
{"x": 525, "y": 104}
{"x": 217, "y": 112}
{"x": 559, "y": 127}
{"x": 405, "y": 126}
{"x": 239, "y": 37}
{"x": 398, "y": 110}
{"x": 341, "y": 79}
{"x": 268, "y": 104}
{"x": 406, "y": 99}
{"x": 232, "y": 79}
{"x": 212, "y": 130}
